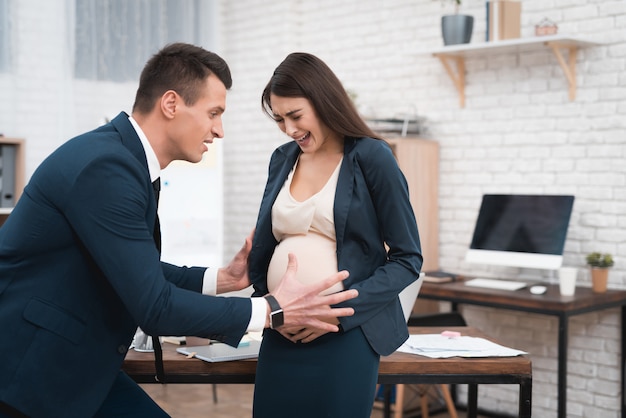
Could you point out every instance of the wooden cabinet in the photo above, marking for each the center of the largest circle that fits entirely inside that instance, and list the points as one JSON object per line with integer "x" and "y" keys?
{"x": 13, "y": 148}
{"x": 419, "y": 161}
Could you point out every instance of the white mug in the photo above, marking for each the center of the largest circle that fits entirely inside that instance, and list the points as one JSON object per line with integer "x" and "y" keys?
{"x": 567, "y": 280}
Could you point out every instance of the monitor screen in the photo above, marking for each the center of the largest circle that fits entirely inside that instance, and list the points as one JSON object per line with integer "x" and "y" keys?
{"x": 521, "y": 231}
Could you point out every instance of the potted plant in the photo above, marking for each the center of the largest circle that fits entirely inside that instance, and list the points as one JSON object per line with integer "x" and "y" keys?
{"x": 456, "y": 28}
{"x": 599, "y": 264}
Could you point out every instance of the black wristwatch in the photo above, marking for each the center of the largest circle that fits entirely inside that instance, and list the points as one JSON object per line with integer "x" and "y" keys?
{"x": 276, "y": 315}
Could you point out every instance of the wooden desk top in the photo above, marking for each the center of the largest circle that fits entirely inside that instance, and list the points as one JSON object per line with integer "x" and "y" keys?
{"x": 405, "y": 363}
{"x": 141, "y": 365}
{"x": 551, "y": 302}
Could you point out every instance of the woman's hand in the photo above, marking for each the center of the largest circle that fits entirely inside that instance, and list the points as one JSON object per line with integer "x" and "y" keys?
{"x": 305, "y": 335}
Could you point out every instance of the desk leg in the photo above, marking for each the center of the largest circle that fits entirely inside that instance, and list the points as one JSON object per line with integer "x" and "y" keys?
{"x": 562, "y": 367}
{"x": 623, "y": 361}
{"x": 387, "y": 400}
{"x": 525, "y": 398}
{"x": 472, "y": 400}
{"x": 454, "y": 307}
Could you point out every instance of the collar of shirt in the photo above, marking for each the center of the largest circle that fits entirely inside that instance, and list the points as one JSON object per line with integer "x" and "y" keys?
{"x": 153, "y": 162}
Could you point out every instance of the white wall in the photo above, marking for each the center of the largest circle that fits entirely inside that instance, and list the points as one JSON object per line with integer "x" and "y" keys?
{"x": 518, "y": 133}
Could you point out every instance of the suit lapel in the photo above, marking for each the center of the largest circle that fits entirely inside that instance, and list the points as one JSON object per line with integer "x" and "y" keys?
{"x": 289, "y": 154}
{"x": 343, "y": 195}
{"x": 130, "y": 139}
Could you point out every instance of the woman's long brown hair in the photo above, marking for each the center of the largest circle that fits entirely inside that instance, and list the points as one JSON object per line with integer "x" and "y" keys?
{"x": 304, "y": 75}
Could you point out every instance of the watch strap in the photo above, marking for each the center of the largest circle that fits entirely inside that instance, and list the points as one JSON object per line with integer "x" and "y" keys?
{"x": 276, "y": 312}
{"x": 274, "y": 305}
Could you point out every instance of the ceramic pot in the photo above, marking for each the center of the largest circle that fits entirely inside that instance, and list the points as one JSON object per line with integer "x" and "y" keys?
{"x": 457, "y": 29}
{"x": 599, "y": 279}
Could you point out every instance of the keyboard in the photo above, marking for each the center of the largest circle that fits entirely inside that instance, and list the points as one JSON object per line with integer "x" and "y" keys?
{"x": 495, "y": 284}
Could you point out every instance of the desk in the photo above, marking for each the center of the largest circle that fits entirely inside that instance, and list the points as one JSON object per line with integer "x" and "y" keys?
{"x": 396, "y": 368}
{"x": 550, "y": 303}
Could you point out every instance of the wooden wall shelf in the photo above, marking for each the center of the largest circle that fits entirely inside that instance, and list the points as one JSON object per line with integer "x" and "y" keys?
{"x": 453, "y": 57}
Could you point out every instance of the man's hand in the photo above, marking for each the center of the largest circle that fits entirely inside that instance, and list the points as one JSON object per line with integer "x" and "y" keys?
{"x": 303, "y": 305}
{"x": 235, "y": 275}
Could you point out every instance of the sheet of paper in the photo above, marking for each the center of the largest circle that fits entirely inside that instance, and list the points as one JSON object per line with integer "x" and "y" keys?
{"x": 438, "y": 346}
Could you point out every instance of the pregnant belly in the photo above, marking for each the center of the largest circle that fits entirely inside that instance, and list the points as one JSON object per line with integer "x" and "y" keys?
{"x": 317, "y": 259}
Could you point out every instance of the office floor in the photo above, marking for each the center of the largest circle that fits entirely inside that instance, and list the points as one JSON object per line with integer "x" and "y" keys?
{"x": 233, "y": 401}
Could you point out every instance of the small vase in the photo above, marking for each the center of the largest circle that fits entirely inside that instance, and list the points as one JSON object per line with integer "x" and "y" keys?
{"x": 457, "y": 29}
{"x": 599, "y": 279}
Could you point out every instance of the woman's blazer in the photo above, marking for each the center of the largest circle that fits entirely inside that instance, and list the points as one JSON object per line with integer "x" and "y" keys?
{"x": 79, "y": 271}
{"x": 371, "y": 208}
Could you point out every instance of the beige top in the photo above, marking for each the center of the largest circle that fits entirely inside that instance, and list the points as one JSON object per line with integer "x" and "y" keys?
{"x": 306, "y": 229}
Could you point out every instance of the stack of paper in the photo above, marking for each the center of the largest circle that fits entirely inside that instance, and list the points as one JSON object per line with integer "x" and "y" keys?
{"x": 439, "y": 346}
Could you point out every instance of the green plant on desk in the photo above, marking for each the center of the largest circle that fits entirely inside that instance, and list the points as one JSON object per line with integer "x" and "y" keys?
{"x": 600, "y": 264}
{"x": 599, "y": 260}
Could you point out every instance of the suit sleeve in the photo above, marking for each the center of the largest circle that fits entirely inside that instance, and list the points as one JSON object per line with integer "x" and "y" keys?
{"x": 110, "y": 210}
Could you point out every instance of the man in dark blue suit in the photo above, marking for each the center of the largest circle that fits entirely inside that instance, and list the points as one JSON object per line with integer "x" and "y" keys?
{"x": 80, "y": 271}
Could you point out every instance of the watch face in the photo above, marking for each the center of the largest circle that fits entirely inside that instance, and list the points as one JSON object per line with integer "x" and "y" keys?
{"x": 276, "y": 319}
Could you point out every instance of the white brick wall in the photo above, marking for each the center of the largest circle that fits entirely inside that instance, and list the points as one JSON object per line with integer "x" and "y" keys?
{"x": 518, "y": 133}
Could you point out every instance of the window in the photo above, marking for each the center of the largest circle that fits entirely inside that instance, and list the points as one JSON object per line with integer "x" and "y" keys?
{"x": 115, "y": 38}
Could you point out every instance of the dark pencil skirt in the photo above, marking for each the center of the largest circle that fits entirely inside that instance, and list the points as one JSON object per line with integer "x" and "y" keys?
{"x": 332, "y": 377}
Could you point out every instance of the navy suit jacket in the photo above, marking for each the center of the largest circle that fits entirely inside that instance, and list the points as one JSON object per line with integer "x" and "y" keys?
{"x": 79, "y": 271}
{"x": 371, "y": 208}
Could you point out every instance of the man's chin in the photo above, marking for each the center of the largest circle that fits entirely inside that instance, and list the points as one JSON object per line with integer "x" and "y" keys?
{"x": 195, "y": 158}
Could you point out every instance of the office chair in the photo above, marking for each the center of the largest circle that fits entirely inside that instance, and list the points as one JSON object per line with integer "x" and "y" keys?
{"x": 437, "y": 319}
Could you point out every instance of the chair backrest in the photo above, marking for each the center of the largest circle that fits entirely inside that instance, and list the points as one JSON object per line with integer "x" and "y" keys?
{"x": 409, "y": 295}
{"x": 438, "y": 319}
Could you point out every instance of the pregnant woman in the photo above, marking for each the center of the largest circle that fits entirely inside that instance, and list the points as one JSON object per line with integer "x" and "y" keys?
{"x": 336, "y": 199}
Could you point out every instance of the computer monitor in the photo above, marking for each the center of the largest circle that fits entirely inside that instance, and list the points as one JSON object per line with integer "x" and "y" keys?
{"x": 521, "y": 231}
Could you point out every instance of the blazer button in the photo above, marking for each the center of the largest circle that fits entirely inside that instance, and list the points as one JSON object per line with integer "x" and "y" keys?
{"x": 122, "y": 349}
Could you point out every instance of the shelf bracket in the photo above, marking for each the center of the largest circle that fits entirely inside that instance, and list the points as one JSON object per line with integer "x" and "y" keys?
{"x": 569, "y": 67}
{"x": 458, "y": 77}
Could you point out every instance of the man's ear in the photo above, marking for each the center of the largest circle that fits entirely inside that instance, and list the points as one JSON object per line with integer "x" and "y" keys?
{"x": 169, "y": 100}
